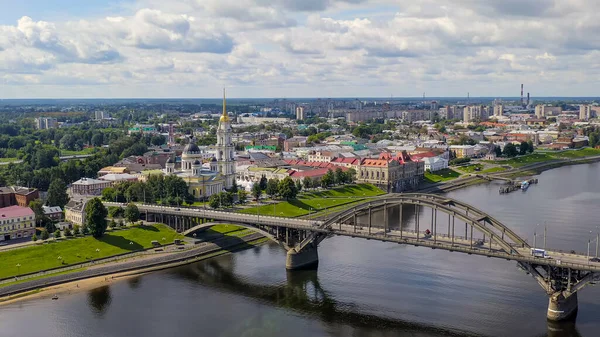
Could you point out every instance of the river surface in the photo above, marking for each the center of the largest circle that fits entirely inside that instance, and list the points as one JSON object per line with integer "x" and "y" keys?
{"x": 361, "y": 288}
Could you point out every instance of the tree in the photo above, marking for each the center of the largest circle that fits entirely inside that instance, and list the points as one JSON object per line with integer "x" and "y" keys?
{"x": 530, "y": 146}
{"x": 523, "y": 148}
{"x": 132, "y": 213}
{"x": 34, "y": 238}
{"x": 36, "y": 207}
{"x": 242, "y": 196}
{"x": 339, "y": 176}
{"x": 510, "y": 150}
{"x": 158, "y": 140}
{"x": 214, "y": 201}
{"x": 57, "y": 233}
{"x": 307, "y": 182}
{"x": 57, "y": 193}
{"x": 263, "y": 183}
{"x": 298, "y": 185}
{"x": 272, "y": 188}
{"x": 85, "y": 230}
{"x": 287, "y": 188}
{"x": 45, "y": 235}
{"x": 234, "y": 187}
{"x": 498, "y": 151}
{"x": 95, "y": 217}
{"x": 68, "y": 142}
{"x": 115, "y": 212}
{"x": 68, "y": 232}
{"x": 97, "y": 139}
{"x": 76, "y": 230}
{"x": 328, "y": 179}
{"x": 350, "y": 175}
{"x": 256, "y": 191}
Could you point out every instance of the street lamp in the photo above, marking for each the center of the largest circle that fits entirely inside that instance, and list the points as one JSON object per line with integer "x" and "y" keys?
{"x": 98, "y": 251}
{"x": 60, "y": 259}
{"x": 18, "y": 269}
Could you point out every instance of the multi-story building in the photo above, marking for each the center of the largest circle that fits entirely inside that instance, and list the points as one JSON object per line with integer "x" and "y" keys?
{"x": 542, "y": 111}
{"x": 16, "y": 222}
{"x": 14, "y": 195}
{"x": 89, "y": 186}
{"x": 55, "y": 213}
{"x": 300, "y": 113}
{"x": 498, "y": 110}
{"x": 100, "y": 115}
{"x": 463, "y": 151}
{"x": 75, "y": 211}
{"x": 585, "y": 112}
{"x": 391, "y": 174}
{"x": 46, "y": 123}
{"x": 291, "y": 143}
{"x": 473, "y": 113}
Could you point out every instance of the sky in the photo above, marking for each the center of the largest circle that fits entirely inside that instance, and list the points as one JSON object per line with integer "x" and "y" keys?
{"x": 298, "y": 48}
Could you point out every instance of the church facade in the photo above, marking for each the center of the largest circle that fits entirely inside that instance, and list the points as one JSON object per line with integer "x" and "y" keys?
{"x": 206, "y": 179}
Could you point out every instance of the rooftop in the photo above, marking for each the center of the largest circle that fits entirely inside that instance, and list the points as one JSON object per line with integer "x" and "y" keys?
{"x": 15, "y": 211}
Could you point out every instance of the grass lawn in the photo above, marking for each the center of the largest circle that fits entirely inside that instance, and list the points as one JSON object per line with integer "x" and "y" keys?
{"x": 88, "y": 150}
{"x": 316, "y": 201}
{"x": 587, "y": 152}
{"x": 473, "y": 168}
{"x": 41, "y": 277}
{"x": 441, "y": 175}
{"x": 77, "y": 250}
{"x": 494, "y": 170}
{"x": 528, "y": 159}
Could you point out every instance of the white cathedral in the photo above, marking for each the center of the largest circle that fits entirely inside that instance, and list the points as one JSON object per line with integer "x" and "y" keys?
{"x": 219, "y": 175}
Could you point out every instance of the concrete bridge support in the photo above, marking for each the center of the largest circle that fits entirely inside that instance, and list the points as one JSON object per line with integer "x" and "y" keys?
{"x": 307, "y": 258}
{"x": 561, "y": 308}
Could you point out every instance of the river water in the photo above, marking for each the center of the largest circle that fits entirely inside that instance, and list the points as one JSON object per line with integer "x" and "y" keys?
{"x": 361, "y": 288}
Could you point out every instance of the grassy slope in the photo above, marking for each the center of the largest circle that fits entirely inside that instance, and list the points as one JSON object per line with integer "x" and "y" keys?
{"x": 45, "y": 256}
{"x": 317, "y": 201}
{"x": 441, "y": 175}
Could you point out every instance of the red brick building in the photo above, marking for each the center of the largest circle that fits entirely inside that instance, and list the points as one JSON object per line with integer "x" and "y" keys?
{"x": 17, "y": 196}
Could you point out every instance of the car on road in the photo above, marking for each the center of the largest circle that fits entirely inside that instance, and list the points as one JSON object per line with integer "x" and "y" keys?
{"x": 595, "y": 259}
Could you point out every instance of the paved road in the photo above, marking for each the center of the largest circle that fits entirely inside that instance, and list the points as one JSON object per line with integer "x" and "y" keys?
{"x": 62, "y": 158}
{"x": 203, "y": 249}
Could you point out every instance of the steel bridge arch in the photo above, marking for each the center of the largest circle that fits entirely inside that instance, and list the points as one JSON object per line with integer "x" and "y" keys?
{"x": 480, "y": 214}
{"x": 251, "y": 227}
{"x": 436, "y": 203}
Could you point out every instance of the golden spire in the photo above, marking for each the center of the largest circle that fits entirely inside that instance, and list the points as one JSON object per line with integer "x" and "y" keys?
{"x": 224, "y": 117}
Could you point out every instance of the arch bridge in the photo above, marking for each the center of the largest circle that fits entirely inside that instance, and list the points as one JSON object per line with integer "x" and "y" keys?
{"x": 422, "y": 220}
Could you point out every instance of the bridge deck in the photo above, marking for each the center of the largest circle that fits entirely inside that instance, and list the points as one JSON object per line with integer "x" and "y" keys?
{"x": 453, "y": 244}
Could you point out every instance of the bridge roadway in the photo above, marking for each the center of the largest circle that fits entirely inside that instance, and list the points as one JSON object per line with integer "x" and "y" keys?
{"x": 444, "y": 242}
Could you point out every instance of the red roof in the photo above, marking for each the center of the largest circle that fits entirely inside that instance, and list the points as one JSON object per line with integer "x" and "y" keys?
{"x": 349, "y": 160}
{"x": 318, "y": 172}
{"x": 15, "y": 211}
{"x": 421, "y": 156}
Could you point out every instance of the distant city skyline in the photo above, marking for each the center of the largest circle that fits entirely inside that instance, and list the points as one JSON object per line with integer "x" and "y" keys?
{"x": 298, "y": 49}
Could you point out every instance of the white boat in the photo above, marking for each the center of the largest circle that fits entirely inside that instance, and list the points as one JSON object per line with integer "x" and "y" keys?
{"x": 55, "y": 297}
{"x": 524, "y": 185}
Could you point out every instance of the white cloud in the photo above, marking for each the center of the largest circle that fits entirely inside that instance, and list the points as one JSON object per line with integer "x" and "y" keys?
{"x": 284, "y": 47}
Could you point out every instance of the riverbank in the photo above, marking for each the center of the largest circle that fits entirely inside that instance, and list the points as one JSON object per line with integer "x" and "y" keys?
{"x": 95, "y": 277}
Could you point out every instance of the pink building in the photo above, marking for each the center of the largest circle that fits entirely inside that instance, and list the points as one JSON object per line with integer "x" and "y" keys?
{"x": 16, "y": 222}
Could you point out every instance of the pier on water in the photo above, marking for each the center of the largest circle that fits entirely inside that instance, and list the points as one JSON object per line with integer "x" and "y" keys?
{"x": 516, "y": 185}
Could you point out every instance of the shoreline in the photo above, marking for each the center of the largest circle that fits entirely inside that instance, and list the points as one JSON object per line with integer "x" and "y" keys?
{"x": 89, "y": 283}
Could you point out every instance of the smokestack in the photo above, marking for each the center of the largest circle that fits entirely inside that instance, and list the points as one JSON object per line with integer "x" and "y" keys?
{"x": 527, "y": 99}
{"x": 521, "y": 93}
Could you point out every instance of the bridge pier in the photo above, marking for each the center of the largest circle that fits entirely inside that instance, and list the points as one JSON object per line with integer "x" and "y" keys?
{"x": 307, "y": 258}
{"x": 561, "y": 308}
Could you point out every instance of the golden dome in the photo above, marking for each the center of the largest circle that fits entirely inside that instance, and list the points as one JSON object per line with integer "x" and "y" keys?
{"x": 224, "y": 119}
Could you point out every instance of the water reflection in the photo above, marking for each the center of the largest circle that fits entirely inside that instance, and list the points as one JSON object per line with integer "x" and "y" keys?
{"x": 303, "y": 293}
{"x": 563, "y": 329}
{"x": 99, "y": 300}
{"x": 134, "y": 282}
